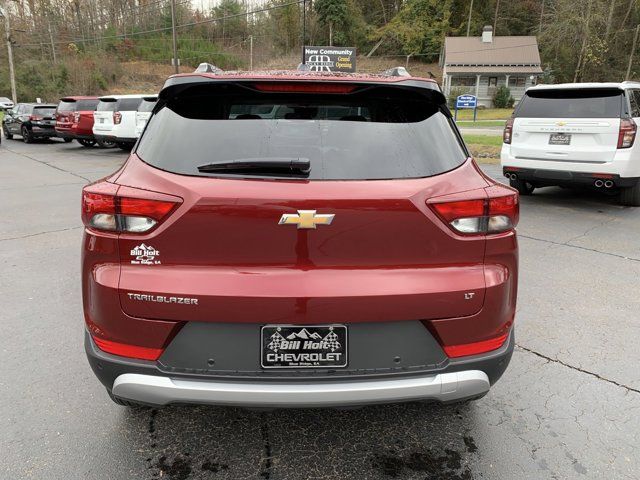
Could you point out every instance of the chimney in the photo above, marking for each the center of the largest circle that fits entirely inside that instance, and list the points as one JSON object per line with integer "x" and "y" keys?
{"x": 487, "y": 34}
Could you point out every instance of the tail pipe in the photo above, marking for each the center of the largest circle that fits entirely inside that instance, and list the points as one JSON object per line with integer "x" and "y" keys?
{"x": 598, "y": 183}
{"x": 608, "y": 184}
{"x": 511, "y": 176}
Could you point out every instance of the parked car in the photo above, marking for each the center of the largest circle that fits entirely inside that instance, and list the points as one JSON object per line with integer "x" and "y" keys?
{"x": 6, "y": 103}
{"x": 115, "y": 120}
{"x": 31, "y": 121}
{"x": 301, "y": 261}
{"x": 144, "y": 112}
{"x": 575, "y": 134}
{"x": 74, "y": 119}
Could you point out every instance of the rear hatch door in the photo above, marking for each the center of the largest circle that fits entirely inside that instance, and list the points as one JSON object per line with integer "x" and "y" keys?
{"x": 234, "y": 244}
{"x": 568, "y": 125}
{"x": 103, "y": 116}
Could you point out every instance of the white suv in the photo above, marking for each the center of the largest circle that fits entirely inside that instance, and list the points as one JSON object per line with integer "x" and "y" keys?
{"x": 575, "y": 133}
{"x": 114, "y": 121}
{"x": 144, "y": 113}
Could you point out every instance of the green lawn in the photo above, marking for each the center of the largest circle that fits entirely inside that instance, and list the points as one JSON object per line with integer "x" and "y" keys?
{"x": 481, "y": 123}
{"x": 488, "y": 140}
{"x": 486, "y": 114}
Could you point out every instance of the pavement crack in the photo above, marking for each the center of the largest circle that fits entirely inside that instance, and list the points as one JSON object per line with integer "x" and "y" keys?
{"x": 50, "y": 165}
{"x": 578, "y": 369}
{"x": 268, "y": 464}
{"x": 39, "y": 233}
{"x": 569, "y": 245}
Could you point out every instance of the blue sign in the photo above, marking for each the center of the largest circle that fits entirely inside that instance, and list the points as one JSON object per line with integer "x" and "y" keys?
{"x": 466, "y": 101}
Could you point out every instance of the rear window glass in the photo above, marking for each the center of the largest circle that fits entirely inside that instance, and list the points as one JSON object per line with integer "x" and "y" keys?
{"x": 147, "y": 105}
{"x": 67, "y": 106}
{"x": 129, "y": 104}
{"x": 108, "y": 106}
{"x": 46, "y": 111}
{"x": 557, "y": 103}
{"x": 381, "y": 133}
{"x": 78, "y": 105}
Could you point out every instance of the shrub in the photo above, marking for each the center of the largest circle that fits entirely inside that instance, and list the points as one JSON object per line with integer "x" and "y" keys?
{"x": 502, "y": 98}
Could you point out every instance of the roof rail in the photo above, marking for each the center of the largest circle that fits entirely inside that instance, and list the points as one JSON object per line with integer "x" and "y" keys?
{"x": 396, "y": 72}
{"x": 208, "y": 68}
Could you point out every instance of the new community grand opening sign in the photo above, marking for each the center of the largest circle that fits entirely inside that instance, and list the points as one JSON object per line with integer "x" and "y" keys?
{"x": 330, "y": 59}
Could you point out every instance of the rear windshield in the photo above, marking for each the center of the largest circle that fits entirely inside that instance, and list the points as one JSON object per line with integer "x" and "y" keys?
{"x": 45, "y": 111}
{"x": 119, "y": 105}
{"x": 78, "y": 105}
{"x": 380, "y": 133}
{"x": 147, "y": 105}
{"x": 570, "y": 103}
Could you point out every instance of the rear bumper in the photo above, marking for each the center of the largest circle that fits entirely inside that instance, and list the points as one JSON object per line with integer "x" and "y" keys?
{"x": 43, "y": 132}
{"x": 163, "y": 390}
{"x": 145, "y": 382}
{"x": 114, "y": 138}
{"x": 543, "y": 177}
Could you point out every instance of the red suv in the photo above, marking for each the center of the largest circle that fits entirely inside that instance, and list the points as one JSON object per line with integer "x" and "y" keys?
{"x": 74, "y": 119}
{"x": 297, "y": 239}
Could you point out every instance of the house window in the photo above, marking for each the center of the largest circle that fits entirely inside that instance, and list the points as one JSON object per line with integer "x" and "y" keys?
{"x": 517, "y": 81}
{"x": 463, "y": 81}
{"x": 493, "y": 81}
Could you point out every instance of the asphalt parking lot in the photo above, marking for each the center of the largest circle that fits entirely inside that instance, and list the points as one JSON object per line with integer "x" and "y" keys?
{"x": 567, "y": 407}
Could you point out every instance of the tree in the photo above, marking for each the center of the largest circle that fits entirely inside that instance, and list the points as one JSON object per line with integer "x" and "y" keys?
{"x": 332, "y": 13}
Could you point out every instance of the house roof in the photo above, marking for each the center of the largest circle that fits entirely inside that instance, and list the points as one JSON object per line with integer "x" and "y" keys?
{"x": 505, "y": 51}
{"x": 495, "y": 69}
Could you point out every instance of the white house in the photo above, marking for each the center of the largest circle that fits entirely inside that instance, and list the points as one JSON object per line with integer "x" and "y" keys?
{"x": 479, "y": 65}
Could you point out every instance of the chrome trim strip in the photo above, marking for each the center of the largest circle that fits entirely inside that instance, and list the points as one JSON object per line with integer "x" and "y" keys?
{"x": 158, "y": 390}
{"x": 559, "y": 160}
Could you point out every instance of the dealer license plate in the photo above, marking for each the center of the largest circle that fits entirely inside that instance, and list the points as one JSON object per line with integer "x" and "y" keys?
{"x": 303, "y": 346}
{"x": 559, "y": 139}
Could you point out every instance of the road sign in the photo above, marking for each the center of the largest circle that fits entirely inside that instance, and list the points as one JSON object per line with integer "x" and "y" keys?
{"x": 330, "y": 59}
{"x": 466, "y": 101}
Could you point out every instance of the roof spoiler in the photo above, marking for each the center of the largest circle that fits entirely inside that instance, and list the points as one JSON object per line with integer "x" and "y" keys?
{"x": 208, "y": 68}
{"x": 396, "y": 72}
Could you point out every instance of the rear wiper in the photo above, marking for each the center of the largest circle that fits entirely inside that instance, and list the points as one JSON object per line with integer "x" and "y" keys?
{"x": 279, "y": 165}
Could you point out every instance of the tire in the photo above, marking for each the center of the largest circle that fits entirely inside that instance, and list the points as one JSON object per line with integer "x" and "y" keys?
{"x": 86, "y": 143}
{"x": 125, "y": 403}
{"x": 68, "y": 140}
{"x": 630, "y": 196}
{"x": 105, "y": 143}
{"x": 523, "y": 187}
{"x": 7, "y": 135}
{"x": 26, "y": 135}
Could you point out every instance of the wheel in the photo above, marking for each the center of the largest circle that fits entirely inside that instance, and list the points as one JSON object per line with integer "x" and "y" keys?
{"x": 7, "y": 135}
{"x": 125, "y": 403}
{"x": 68, "y": 140}
{"x": 27, "y": 137}
{"x": 86, "y": 143}
{"x": 523, "y": 187}
{"x": 105, "y": 143}
{"x": 630, "y": 196}
{"x": 124, "y": 146}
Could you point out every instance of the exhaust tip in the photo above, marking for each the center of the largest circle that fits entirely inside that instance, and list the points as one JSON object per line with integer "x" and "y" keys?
{"x": 598, "y": 183}
{"x": 608, "y": 184}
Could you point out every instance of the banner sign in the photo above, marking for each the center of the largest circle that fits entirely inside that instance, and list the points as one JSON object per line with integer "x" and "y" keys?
{"x": 330, "y": 59}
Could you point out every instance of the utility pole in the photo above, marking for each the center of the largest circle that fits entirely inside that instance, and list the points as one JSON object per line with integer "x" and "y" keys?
{"x": 175, "y": 38}
{"x": 53, "y": 47}
{"x": 633, "y": 49}
{"x": 304, "y": 27}
{"x": 469, "y": 19}
{"x": 250, "y": 52}
{"x": 12, "y": 73}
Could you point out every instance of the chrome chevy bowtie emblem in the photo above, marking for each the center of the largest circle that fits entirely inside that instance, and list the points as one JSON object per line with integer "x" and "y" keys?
{"x": 306, "y": 219}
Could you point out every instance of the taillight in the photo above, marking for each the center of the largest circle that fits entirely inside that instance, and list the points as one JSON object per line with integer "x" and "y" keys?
{"x": 108, "y": 207}
{"x": 496, "y": 213}
{"x": 302, "y": 87}
{"x": 483, "y": 346}
{"x": 126, "y": 350}
{"x": 627, "y": 133}
{"x": 508, "y": 131}
{"x": 117, "y": 118}
{"x": 35, "y": 118}
{"x": 76, "y": 117}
